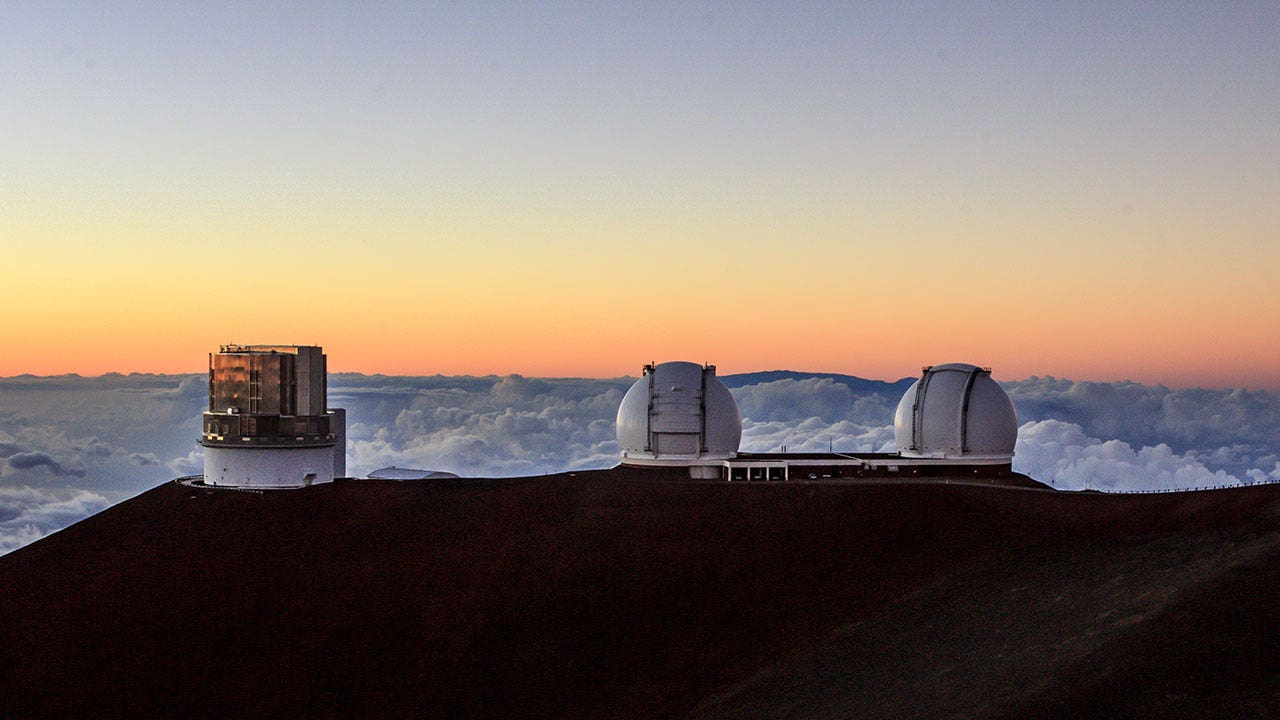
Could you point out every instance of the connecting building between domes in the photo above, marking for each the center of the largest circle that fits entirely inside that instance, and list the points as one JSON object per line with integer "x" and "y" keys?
{"x": 954, "y": 421}
{"x": 268, "y": 424}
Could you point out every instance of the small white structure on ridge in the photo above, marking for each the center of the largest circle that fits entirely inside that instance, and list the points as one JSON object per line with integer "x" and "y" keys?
{"x": 398, "y": 473}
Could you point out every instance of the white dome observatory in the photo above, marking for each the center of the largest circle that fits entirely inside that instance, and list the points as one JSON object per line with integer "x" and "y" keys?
{"x": 956, "y": 412}
{"x": 679, "y": 414}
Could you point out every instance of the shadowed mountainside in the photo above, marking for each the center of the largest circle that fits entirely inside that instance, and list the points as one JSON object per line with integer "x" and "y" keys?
{"x": 621, "y": 594}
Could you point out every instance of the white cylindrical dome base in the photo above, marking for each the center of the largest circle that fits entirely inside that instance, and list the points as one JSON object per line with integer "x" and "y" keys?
{"x": 268, "y": 467}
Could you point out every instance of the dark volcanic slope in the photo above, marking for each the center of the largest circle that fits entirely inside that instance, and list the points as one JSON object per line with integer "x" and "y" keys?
{"x": 614, "y": 594}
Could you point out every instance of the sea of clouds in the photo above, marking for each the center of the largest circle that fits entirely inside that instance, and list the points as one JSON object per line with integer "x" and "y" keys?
{"x": 71, "y": 446}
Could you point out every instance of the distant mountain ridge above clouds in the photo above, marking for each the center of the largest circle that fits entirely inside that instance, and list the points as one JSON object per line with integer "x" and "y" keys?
{"x": 344, "y": 384}
{"x": 858, "y": 385}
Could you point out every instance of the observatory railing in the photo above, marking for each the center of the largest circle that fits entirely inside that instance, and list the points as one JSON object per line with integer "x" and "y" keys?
{"x": 191, "y": 480}
{"x": 1162, "y": 491}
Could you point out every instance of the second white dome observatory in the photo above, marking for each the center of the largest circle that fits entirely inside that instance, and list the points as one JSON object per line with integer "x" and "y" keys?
{"x": 956, "y": 412}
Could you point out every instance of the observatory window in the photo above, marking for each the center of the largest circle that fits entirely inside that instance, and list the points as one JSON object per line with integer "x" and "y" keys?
{"x": 757, "y": 473}
{"x": 255, "y": 391}
{"x": 738, "y": 474}
{"x": 777, "y": 474}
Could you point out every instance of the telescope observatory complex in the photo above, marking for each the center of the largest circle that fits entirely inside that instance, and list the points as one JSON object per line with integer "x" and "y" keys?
{"x": 269, "y": 426}
{"x": 954, "y": 421}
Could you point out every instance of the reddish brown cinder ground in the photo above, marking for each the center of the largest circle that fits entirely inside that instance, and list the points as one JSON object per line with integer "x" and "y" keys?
{"x": 628, "y": 593}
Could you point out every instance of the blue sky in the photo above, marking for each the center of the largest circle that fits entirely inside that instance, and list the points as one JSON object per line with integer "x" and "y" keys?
{"x": 1094, "y": 184}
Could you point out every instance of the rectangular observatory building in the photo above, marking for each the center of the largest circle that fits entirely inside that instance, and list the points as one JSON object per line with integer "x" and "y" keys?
{"x": 268, "y": 422}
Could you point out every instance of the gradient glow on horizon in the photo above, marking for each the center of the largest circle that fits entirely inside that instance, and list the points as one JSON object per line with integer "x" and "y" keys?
{"x": 1086, "y": 190}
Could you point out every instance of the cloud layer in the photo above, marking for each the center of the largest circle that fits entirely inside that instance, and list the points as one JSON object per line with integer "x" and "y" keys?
{"x": 70, "y": 446}
{"x": 1234, "y": 431}
{"x": 1063, "y": 455}
{"x": 28, "y": 514}
{"x": 489, "y": 427}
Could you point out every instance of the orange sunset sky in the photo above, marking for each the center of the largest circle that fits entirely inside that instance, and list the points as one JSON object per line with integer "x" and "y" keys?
{"x": 1088, "y": 191}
